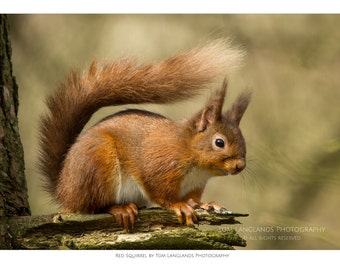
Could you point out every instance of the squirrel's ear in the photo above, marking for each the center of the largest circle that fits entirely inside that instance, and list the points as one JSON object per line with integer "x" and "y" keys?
{"x": 207, "y": 117}
{"x": 238, "y": 108}
{"x": 213, "y": 110}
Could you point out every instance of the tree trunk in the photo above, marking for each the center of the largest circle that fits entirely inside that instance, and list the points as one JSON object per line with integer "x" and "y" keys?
{"x": 13, "y": 189}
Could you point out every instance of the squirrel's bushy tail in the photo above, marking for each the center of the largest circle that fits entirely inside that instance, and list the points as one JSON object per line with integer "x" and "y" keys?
{"x": 124, "y": 82}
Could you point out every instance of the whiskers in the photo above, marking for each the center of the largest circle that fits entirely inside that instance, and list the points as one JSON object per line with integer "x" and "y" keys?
{"x": 249, "y": 177}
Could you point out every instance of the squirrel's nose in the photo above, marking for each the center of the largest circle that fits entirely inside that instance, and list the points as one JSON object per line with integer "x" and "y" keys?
{"x": 239, "y": 165}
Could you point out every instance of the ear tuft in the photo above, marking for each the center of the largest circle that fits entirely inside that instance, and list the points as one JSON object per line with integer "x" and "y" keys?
{"x": 238, "y": 108}
{"x": 212, "y": 112}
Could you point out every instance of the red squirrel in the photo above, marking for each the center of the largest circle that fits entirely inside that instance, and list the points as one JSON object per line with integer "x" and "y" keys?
{"x": 136, "y": 158}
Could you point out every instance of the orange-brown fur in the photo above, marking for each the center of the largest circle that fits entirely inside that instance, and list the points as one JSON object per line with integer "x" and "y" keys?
{"x": 137, "y": 157}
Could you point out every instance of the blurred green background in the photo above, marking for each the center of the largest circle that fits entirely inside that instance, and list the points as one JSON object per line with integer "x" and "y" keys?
{"x": 292, "y": 126}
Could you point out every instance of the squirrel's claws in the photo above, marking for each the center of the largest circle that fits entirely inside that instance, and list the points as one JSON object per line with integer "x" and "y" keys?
{"x": 124, "y": 214}
{"x": 184, "y": 209}
{"x": 211, "y": 206}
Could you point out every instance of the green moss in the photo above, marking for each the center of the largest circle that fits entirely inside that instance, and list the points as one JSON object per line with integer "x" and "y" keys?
{"x": 75, "y": 231}
{"x": 177, "y": 238}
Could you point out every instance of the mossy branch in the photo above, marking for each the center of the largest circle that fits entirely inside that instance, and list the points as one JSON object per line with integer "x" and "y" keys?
{"x": 154, "y": 229}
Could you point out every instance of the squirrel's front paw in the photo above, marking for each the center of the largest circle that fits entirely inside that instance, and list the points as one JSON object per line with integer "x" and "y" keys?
{"x": 183, "y": 209}
{"x": 124, "y": 214}
{"x": 206, "y": 206}
{"x": 211, "y": 206}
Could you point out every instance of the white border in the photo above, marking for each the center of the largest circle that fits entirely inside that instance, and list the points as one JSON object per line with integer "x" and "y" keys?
{"x": 109, "y": 260}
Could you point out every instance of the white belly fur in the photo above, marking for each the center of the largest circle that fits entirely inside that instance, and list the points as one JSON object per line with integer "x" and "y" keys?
{"x": 128, "y": 190}
{"x": 197, "y": 178}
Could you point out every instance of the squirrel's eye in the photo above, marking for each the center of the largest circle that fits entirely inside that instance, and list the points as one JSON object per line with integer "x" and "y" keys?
{"x": 219, "y": 143}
